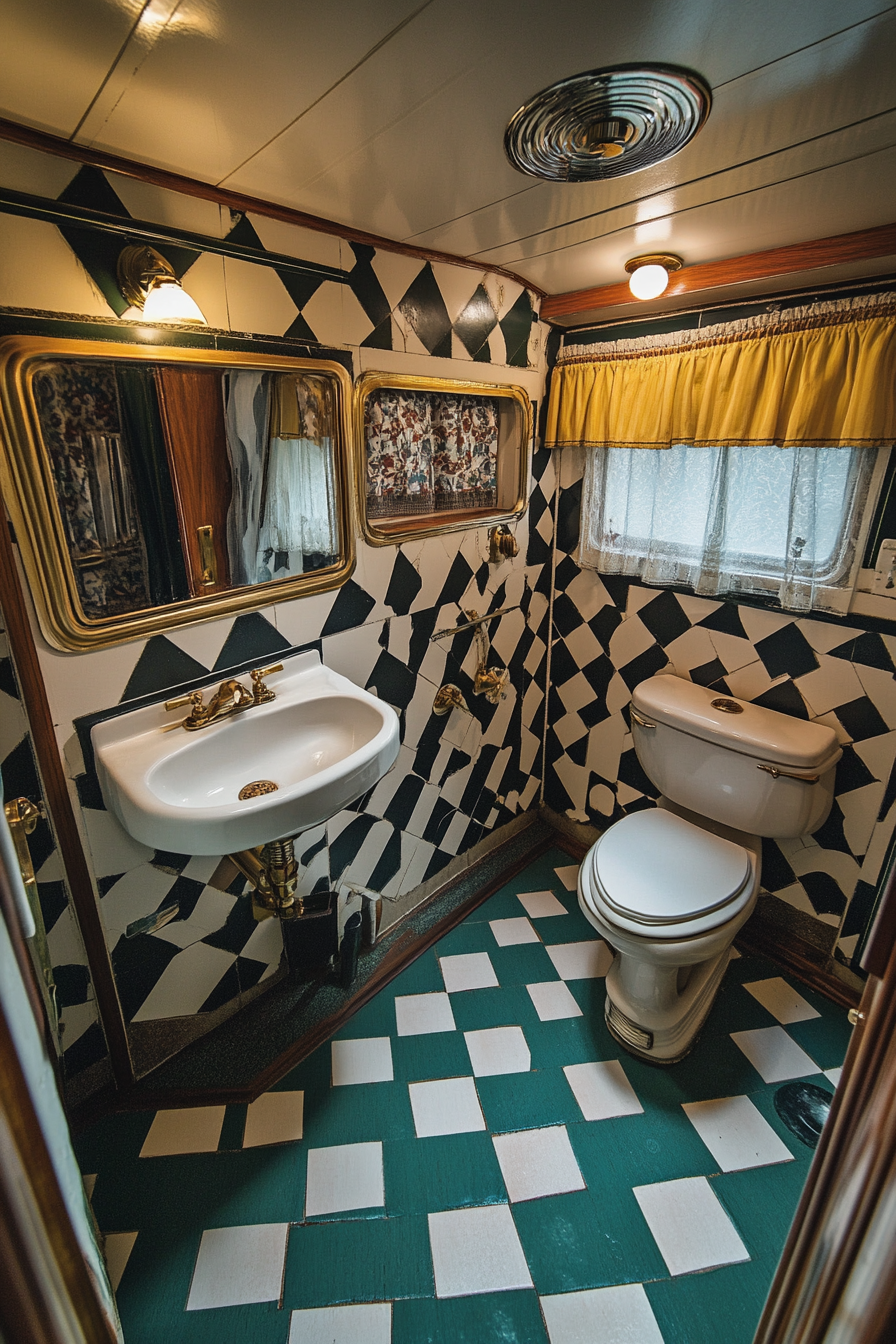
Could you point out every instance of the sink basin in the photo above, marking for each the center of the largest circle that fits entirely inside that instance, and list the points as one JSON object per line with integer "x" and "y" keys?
{"x": 322, "y": 742}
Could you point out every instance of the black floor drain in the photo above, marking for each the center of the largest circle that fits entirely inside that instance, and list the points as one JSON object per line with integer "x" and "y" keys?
{"x": 804, "y": 1108}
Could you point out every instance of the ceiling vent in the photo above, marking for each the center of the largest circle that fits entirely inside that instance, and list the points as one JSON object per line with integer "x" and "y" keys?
{"x": 606, "y": 123}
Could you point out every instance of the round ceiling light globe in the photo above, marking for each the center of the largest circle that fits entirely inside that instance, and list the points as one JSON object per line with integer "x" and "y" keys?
{"x": 648, "y": 282}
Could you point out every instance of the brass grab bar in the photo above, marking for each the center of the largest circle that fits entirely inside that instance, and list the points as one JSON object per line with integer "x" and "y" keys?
{"x": 639, "y": 719}
{"x": 777, "y": 773}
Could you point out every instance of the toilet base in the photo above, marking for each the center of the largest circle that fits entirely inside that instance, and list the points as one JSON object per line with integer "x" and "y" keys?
{"x": 663, "y": 1037}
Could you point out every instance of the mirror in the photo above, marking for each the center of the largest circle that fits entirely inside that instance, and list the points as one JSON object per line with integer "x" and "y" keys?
{"x": 152, "y": 487}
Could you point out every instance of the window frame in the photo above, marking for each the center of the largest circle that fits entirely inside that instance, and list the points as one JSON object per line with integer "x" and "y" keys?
{"x": 392, "y": 532}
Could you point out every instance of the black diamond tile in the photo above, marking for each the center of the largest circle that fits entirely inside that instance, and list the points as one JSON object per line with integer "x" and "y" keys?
{"x": 569, "y": 510}
{"x": 482, "y": 576}
{"x": 352, "y": 607}
{"x": 563, "y": 665}
{"x": 72, "y": 985}
{"x": 824, "y": 893}
{"x": 8, "y": 684}
{"x": 160, "y": 666}
{"x": 567, "y": 616}
{"x": 89, "y": 1048}
{"x": 516, "y": 324}
{"x": 89, "y": 792}
{"x": 227, "y": 988}
{"x": 708, "y": 673}
{"x": 566, "y": 571}
{"x": 313, "y": 851}
{"x": 889, "y": 795}
{"x": 237, "y": 929}
{"x": 631, "y": 772}
{"x": 138, "y": 964}
{"x": 345, "y": 847}
{"x": 860, "y": 719}
{"x": 787, "y": 650}
{"x": 617, "y": 586}
{"x": 184, "y": 893}
{"x": 249, "y": 972}
{"x": 541, "y": 460}
{"x": 403, "y": 801}
{"x": 53, "y": 902}
{"x": 365, "y": 285}
{"x": 476, "y": 323}
{"x": 831, "y": 834}
{"x": 380, "y": 338}
{"x": 97, "y": 251}
{"x": 388, "y": 864}
{"x": 439, "y": 821}
{"x": 607, "y": 620}
{"x": 868, "y": 649}
{"x": 300, "y": 288}
{"x": 299, "y": 330}
{"x": 861, "y": 908}
{"x": 394, "y": 682}
{"x": 776, "y": 872}
{"x": 646, "y": 664}
{"x": 404, "y": 585}
{"x": 578, "y": 751}
{"x": 424, "y": 308}
{"x": 664, "y": 618}
{"x": 785, "y": 698}
{"x": 725, "y": 619}
{"x": 423, "y": 624}
{"x": 438, "y": 861}
{"x": 852, "y": 772}
{"x": 251, "y": 637}
{"x": 458, "y": 760}
{"x": 457, "y": 582}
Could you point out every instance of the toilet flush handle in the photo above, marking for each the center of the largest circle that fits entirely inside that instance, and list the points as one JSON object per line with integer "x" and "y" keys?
{"x": 777, "y": 773}
{"x": 640, "y": 720}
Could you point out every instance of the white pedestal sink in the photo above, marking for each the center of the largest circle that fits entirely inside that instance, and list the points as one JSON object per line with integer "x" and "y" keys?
{"x": 322, "y": 743}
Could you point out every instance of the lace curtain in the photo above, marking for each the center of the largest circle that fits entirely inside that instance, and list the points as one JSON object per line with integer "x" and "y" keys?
{"x": 429, "y": 451}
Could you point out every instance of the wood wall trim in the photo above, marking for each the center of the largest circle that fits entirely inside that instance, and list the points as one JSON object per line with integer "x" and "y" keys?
{"x": 237, "y": 201}
{"x": 864, "y": 245}
{"x": 37, "y": 708}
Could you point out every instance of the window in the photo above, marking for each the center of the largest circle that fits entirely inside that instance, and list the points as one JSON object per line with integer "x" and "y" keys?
{"x": 439, "y": 455}
{"x": 782, "y": 522}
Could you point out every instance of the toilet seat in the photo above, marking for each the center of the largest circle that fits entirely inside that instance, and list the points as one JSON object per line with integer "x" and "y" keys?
{"x": 655, "y": 874}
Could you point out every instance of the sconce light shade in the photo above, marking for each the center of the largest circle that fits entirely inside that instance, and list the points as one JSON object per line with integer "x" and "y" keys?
{"x": 649, "y": 275}
{"x": 148, "y": 281}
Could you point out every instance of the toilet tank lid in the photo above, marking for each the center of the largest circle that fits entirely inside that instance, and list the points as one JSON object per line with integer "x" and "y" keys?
{"x": 766, "y": 734}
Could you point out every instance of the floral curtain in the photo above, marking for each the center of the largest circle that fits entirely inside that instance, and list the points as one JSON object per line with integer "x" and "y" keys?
{"x": 429, "y": 451}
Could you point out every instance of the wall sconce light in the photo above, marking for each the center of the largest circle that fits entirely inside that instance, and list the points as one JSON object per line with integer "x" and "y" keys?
{"x": 148, "y": 281}
{"x": 649, "y": 275}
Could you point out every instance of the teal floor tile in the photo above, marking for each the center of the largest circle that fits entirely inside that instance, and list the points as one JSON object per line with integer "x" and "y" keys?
{"x": 514, "y": 1101}
{"x": 376, "y": 1261}
{"x": 376, "y": 1018}
{"x": 660, "y": 1145}
{"x": 571, "y": 928}
{"x": 580, "y": 1240}
{"x": 464, "y": 939}
{"x": 441, "y": 1054}
{"x": 421, "y": 977}
{"x": 826, "y": 1039}
{"x": 358, "y": 1113}
{"x": 115, "y": 1139}
{"x": 735, "y": 1010}
{"x": 475, "y": 1009}
{"x": 569, "y": 1040}
{"x": 718, "y": 1305}
{"x": 232, "y": 1130}
{"x": 487, "y": 1318}
{"x": 761, "y": 1202}
{"x": 312, "y": 1074}
{"x": 591, "y": 996}
{"x": 714, "y": 1068}
{"x": 525, "y": 964}
{"x": 451, "y": 1171}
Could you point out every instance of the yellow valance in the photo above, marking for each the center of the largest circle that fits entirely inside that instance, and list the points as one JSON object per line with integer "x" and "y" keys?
{"x": 827, "y": 380}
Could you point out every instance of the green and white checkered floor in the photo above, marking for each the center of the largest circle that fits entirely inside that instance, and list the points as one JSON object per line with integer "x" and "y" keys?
{"x": 474, "y": 1159}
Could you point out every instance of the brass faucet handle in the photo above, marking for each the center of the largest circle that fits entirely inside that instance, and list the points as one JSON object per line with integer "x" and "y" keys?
{"x": 261, "y": 693}
{"x": 194, "y": 698}
{"x": 449, "y": 697}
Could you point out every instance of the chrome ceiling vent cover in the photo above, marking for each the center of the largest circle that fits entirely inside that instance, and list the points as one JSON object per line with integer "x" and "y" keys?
{"x": 606, "y": 123}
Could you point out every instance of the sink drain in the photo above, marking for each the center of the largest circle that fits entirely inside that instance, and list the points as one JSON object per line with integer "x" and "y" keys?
{"x": 257, "y": 788}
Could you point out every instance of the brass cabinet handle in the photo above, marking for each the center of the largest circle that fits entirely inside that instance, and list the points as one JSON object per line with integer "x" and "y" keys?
{"x": 777, "y": 773}
{"x": 639, "y": 718}
{"x": 22, "y": 816}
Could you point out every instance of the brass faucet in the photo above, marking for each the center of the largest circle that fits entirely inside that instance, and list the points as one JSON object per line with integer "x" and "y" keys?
{"x": 488, "y": 681}
{"x": 231, "y": 697}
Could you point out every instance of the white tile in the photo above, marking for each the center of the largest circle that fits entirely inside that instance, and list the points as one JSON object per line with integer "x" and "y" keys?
{"x": 537, "y": 1162}
{"x": 689, "y": 1225}
{"x": 781, "y": 1000}
{"x": 348, "y": 1176}
{"x": 511, "y": 932}
{"x": 498, "y": 1050}
{"x": 359, "y": 1323}
{"x": 602, "y": 1090}
{"x": 422, "y": 1014}
{"x": 736, "y": 1134}
{"x": 569, "y": 875}
{"x": 469, "y": 970}
{"x": 540, "y": 904}
{"x": 117, "y": 1247}
{"x": 275, "y": 1117}
{"x": 619, "y": 1315}
{"x": 476, "y": 1251}
{"x": 833, "y": 1075}
{"x": 186, "y": 983}
{"x": 773, "y": 1054}
{"x": 553, "y": 1000}
{"x": 237, "y": 1265}
{"x": 368, "y": 1060}
{"x": 581, "y": 961}
{"x": 445, "y": 1106}
{"x": 195, "y": 1129}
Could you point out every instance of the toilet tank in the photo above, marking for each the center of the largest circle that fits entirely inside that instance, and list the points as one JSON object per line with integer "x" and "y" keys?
{"x": 738, "y": 763}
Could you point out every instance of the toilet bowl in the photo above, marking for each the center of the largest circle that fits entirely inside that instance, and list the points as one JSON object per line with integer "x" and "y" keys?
{"x": 669, "y": 887}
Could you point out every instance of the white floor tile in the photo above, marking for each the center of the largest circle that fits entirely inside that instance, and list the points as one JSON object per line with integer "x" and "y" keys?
{"x": 736, "y": 1133}
{"x": 834, "y": 1075}
{"x": 781, "y": 1000}
{"x": 117, "y": 1248}
{"x": 445, "y": 1106}
{"x": 774, "y": 1055}
{"x": 275, "y": 1117}
{"x": 537, "y": 1162}
{"x": 469, "y": 970}
{"x": 602, "y": 1090}
{"x": 421, "y": 1014}
{"x": 498, "y": 1050}
{"x": 348, "y": 1176}
{"x": 476, "y": 1251}
{"x": 541, "y": 904}
{"x": 621, "y": 1315}
{"x": 553, "y": 1000}
{"x": 195, "y": 1129}
{"x": 511, "y": 932}
{"x": 368, "y": 1060}
{"x": 569, "y": 875}
{"x": 237, "y": 1265}
{"x": 361, "y": 1323}
{"x": 581, "y": 961}
{"x": 689, "y": 1225}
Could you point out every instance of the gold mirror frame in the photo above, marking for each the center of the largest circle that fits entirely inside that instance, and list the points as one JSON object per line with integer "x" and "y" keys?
{"x": 26, "y": 480}
{"x": 371, "y": 382}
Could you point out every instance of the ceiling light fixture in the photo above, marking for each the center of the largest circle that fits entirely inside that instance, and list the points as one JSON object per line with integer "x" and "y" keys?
{"x": 147, "y": 281}
{"x": 649, "y": 275}
{"x": 606, "y": 123}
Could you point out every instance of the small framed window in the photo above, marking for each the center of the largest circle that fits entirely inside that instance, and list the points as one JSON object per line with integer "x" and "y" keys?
{"x": 437, "y": 455}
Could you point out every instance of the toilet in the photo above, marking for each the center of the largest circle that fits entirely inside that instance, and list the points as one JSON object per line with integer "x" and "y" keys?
{"x": 669, "y": 887}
